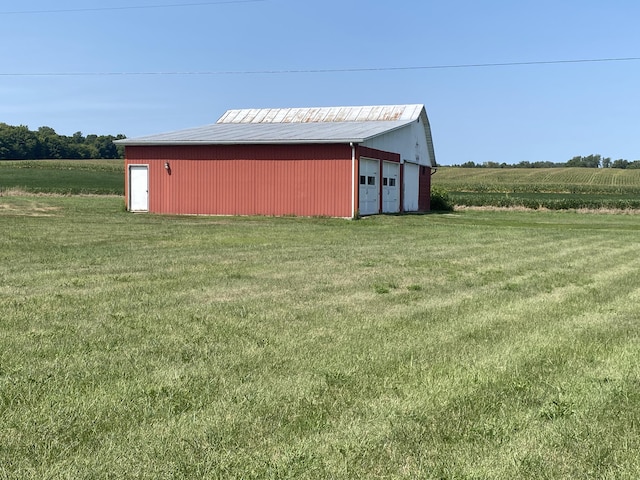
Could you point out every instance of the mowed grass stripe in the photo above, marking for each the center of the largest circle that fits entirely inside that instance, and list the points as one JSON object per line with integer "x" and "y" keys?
{"x": 486, "y": 344}
{"x": 562, "y": 350}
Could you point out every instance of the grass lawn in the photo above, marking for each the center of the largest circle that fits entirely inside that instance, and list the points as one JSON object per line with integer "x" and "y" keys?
{"x": 467, "y": 345}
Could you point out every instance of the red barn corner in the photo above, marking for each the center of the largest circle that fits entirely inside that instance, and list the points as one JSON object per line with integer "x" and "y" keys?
{"x": 328, "y": 161}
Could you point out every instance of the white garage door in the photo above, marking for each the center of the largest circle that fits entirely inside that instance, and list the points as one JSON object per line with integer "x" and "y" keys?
{"x": 369, "y": 187}
{"x": 411, "y": 187}
{"x": 138, "y": 188}
{"x": 390, "y": 187}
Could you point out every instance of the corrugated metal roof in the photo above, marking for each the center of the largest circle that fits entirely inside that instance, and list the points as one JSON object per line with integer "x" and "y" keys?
{"x": 295, "y": 125}
{"x": 256, "y": 133}
{"x": 378, "y": 113}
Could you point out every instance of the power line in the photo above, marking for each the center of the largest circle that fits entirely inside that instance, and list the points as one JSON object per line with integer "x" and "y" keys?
{"x": 130, "y": 7}
{"x": 316, "y": 70}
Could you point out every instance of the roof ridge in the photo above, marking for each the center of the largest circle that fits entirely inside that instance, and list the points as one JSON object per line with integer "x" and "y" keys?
{"x": 366, "y": 113}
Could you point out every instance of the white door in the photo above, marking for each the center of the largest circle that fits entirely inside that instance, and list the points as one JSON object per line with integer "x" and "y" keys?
{"x": 390, "y": 187}
{"x": 369, "y": 187}
{"x": 411, "y": 182}
{"x": 138, "y": 188}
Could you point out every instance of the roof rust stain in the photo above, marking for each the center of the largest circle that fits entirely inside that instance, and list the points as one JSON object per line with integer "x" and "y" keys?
{"x": 322, "y": 114}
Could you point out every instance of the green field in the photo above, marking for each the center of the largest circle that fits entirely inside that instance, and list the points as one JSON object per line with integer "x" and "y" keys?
{"x": 551, "y": 180}
{"x": 468, "y": 345}
{"x": 555, "y": 188}
{"x": 63, "y": 176}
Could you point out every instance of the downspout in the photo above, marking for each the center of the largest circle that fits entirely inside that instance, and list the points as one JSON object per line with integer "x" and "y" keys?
{"x": 353, "y": 179}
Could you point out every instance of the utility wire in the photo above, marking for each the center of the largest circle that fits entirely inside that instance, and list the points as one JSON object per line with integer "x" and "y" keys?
{"x": 317, "y": 70}
{"x": 131, "y": 7}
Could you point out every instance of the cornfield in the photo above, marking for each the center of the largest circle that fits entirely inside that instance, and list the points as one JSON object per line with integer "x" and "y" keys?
{"x": 553, "y": 188}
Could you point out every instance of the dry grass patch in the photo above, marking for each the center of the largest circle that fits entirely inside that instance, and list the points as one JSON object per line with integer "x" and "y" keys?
{"x": 27, "y": 208}
{"x": 490, "y": 208}
{"x": 14, "y": 192}
{"x": 519, "y": 208}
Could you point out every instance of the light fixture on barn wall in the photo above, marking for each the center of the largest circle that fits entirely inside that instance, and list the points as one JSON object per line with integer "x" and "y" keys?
{"x": 167, "y": 167}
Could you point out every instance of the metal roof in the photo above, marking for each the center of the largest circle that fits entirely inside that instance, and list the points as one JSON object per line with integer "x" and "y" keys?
{"x": 251, "y": 133}
{"x": 323, "y": 114}
{"x": 292, "y": 125}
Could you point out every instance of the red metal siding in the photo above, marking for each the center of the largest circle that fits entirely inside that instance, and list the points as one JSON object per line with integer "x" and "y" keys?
{"x": 303, "y": 180}
{"x": 424, "y": 194}
{"x": 378, "y": 154}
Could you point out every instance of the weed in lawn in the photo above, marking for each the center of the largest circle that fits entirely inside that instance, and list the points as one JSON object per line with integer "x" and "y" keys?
{"x": 385, "y": 287}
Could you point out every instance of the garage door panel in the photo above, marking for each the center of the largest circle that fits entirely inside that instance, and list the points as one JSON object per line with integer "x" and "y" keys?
{"x": 390, "y": 187}
{"x": 411, "y": 187}
{"x": 369, "y": 197}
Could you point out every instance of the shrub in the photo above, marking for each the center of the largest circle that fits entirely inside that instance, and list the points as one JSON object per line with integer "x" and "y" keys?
{"x": 440, "y": 201}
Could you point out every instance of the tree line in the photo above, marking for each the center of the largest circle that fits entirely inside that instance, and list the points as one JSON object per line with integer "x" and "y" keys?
{"x": 589, "y": 161}
{"x": 20, "y": 143}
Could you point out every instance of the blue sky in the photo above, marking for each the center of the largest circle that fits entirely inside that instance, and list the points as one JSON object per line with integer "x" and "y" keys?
{"x": 495, "y": 113}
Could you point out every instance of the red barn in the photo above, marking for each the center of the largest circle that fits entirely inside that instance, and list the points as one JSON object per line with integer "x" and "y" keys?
{"x": 328, "y": 161}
